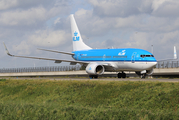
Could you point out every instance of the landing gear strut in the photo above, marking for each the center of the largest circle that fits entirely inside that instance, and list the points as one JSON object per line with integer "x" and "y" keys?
{"x": 121, "y": 75}
{"x": 93, "y": 76}
{"x": 143, "y": 76}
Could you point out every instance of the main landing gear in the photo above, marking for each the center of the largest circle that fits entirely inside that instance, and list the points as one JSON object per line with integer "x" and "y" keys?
{"x": 121, "y": 75}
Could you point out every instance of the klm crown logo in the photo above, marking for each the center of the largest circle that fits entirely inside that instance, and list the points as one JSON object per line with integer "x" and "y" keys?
{"x": 75, "y": 33}
{"x": 76, "y": 38}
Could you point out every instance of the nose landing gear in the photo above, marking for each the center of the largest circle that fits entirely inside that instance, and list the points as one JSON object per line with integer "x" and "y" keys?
{"x": 121, "y": 75}
{"x": 93, "y": 76}
{"x": 143, "y": 76}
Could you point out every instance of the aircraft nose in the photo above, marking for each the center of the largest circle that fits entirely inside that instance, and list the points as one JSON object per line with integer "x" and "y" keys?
{"x": 154, "y": 63}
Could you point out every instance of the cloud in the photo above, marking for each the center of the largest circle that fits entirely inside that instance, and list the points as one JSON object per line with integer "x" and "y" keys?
{"x": 48, "y": 38}
{"x": 157, "y": 3}
{"x": 5, "y": 4}
{"x": 34, "y": 15}
{"x": 145, "y": 6}
{"x": 57, "y": 20}
{"x": 24, "y": 48}
{"x": 113, "y": 8}
{"x": 165, "y": 8}
{"x": 26, "y": 4}
{"x": 20, "y": 17}
{"x": 27, "y": 25}
{"x": 125, "y": 8}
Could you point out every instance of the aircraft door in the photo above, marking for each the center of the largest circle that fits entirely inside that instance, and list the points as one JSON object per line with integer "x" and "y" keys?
{"x": 133, "y": 57}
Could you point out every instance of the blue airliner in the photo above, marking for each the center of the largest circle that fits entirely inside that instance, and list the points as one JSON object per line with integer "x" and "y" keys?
{"x": 98, "y": 61}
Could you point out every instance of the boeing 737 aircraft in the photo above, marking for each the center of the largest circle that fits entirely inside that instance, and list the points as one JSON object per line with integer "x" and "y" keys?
{"x": 98, "y": 61}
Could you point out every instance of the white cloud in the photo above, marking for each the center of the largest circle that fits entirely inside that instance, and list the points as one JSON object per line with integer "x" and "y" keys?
{"x": 5, "y": 4}
{"x": 165, "y": 8}
{"x": 32, "y": 15}
{"x": 57, "y": 20}
{"x": 145, "y": 6}
{"x": 102, "y": 23}
{"x": 157, "y": 3}
{"x": 125, "y": 8}
{"x": 114, "y": 8}
{"x": 81, "y": 12}
{"x": 24, "y": 48}
{"x": 48, "y": 38}
{"x": 21, "y": 17}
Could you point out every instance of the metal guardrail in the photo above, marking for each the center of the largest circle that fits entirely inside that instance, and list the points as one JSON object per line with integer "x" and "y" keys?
{"x": 164, "y": 64}
{"x": 168, "y": 64}
{"x": 40, "y": 69}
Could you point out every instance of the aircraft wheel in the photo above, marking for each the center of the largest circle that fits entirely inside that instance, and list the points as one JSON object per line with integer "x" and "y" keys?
{"x": 119, "y": 75}
{"x": 95, "y": 76}
{"x": 123, "y": 75}
{"x": 91, "y": 76}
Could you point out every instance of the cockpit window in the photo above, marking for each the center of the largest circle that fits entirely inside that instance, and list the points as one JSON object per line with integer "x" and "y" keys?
{"x": 146, "y": 56}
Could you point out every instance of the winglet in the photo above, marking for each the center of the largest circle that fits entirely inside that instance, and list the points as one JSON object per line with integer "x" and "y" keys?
{"x": 7, "y": 50}
{"x": 175, "y": 53}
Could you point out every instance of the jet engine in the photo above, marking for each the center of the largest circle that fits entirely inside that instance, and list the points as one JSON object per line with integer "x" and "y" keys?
{"x": 95, "y": 69}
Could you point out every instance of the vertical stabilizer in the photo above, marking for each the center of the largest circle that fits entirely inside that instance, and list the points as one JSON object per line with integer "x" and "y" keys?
{"x": 78, "y": 43}
{"x": 175, "y": 53}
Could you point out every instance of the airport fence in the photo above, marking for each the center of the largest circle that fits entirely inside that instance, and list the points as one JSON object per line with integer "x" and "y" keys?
{"x": 40, "y": 69}
{"x": 168, "y": 64}
{"x": 163, "y": 64}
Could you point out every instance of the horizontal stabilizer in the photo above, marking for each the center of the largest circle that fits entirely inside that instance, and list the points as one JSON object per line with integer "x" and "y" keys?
{"x": 68, "y": 53}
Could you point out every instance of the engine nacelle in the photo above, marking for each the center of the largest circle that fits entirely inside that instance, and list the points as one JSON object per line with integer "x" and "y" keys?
{"x": 95, "y": 69}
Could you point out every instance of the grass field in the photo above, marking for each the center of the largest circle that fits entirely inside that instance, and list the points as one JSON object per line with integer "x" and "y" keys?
{"x": 45, "y": 99}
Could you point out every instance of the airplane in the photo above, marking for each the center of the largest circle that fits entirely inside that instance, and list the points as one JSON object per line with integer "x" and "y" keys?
{"x": 98, "y": 61}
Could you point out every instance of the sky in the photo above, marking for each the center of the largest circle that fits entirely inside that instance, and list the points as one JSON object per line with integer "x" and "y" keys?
{"x": 26, "y": 25}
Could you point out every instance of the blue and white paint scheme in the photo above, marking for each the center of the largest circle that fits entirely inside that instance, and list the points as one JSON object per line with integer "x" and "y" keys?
{"x": 98, "y": 61}
{"x": 101, "y": 60}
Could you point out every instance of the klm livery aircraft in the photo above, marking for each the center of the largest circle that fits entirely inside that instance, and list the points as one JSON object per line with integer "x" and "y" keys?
{"x": 98, "y": 61}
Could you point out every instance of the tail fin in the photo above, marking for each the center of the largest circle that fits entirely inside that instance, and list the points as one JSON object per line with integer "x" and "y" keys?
{"x": 175, "y": 53}
{"x": 78, "y": 43}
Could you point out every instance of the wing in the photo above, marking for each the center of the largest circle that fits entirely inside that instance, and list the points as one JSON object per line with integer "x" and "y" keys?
{"x": 174, "y": 58}
{"x": 56, "y": 60}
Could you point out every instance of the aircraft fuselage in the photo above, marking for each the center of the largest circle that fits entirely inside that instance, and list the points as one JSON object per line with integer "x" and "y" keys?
{"x": 124, "y": 59}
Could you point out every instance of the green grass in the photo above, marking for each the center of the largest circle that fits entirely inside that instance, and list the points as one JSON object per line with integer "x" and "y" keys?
{"x": 44, "y": 99}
